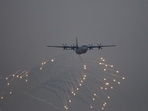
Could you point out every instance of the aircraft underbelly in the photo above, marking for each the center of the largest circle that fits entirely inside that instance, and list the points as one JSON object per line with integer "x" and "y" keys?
{"x": 81, "y": 51}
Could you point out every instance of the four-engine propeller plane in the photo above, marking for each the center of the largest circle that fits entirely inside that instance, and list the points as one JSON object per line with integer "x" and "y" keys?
{"x": 81, "y": 49}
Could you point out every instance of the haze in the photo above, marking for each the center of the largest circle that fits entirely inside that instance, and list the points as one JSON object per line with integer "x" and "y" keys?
{"x": 27, "y": 27}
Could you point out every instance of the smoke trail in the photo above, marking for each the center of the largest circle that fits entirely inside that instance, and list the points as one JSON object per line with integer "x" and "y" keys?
{"x": 42, "y": 100}
{"x": 68, "y": 80}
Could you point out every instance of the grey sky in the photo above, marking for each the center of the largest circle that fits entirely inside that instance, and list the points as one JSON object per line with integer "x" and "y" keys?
{"x": 26, "y": 27}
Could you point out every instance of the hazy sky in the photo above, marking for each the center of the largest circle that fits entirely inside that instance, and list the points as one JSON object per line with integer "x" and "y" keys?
{"x": 27, "y": 26}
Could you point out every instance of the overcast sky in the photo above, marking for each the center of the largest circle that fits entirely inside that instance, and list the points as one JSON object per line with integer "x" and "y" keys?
{"x": 27, "y": 26}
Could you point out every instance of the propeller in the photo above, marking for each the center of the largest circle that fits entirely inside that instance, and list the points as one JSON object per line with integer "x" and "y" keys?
{"x": 90, "y": 47}
{"x": 64, "y": 47}
{"x": 73, "y": 46}
{"x": 99, "y": 46}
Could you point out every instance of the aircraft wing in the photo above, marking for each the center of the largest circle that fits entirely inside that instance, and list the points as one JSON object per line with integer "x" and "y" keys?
{"x": 100, "y": 46}
{"x": 65, "y": 47}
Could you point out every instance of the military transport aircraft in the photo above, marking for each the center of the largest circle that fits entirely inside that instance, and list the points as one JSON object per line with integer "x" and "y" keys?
{"x": 81, "y": 49}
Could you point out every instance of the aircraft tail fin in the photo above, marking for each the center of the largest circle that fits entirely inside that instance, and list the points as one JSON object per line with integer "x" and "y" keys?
{"x": 76, "y": 41}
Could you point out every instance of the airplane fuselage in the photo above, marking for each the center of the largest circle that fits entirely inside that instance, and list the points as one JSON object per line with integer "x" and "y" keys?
{"x": 82, "y": 49}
